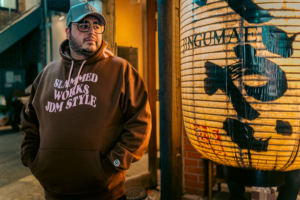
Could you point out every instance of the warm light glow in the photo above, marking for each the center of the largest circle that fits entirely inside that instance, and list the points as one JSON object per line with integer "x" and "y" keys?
{"x": 241, "y": 72}
{"x": 61, "y": 18}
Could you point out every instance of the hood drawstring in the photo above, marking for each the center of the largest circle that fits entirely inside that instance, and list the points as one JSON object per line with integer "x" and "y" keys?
{"x": 77, "y": 75}
{"x": 70, "y": 74}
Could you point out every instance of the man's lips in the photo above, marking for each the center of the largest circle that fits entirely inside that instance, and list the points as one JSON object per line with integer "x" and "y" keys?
{"x": 90, "y": 40}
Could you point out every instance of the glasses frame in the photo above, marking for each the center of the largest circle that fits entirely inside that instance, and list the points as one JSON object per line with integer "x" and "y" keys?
{"x": 89, "y": 27}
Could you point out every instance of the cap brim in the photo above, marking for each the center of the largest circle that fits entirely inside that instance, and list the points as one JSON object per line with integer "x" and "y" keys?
{"x": 95, "y": 14}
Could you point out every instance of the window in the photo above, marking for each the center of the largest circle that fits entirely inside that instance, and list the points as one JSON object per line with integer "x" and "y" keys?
{"x": 8, "y": 4}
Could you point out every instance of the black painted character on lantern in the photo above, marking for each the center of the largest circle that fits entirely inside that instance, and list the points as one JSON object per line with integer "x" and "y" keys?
{"x": 222, "y": 78}
{"x": 200, "y": 3}
{"x": 276, "y": 41}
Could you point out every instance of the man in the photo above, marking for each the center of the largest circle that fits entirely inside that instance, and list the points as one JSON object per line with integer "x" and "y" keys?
{"x": 87, "y": 118}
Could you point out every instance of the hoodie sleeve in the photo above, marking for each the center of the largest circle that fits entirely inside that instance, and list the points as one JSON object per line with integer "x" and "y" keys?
{"x": 30, "y": 131}
{"x": 136, "y": 129}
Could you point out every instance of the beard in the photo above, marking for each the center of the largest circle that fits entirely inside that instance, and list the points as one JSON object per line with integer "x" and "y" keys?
{"x": 78, "y": 49}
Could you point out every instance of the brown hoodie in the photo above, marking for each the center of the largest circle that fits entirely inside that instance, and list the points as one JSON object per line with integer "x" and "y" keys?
{"x": 79, "y": 139}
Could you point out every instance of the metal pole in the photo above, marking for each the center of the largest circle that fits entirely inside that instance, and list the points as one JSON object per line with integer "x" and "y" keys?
{"x": 50, "y": 35}
{"x": 46, "y": 31}
{"x": 9, "y": 13}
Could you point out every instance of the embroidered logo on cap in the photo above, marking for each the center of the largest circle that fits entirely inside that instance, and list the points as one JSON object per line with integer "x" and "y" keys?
{"x": 117, "y": 162}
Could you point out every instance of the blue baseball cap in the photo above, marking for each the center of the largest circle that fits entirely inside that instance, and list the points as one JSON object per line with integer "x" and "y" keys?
{"x": 79, "y": 11}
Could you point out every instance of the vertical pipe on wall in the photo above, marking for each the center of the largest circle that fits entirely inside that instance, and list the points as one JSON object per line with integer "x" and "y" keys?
{"x": 9, "y": 15}
{"x": 46, "y": 31}
{"x": 50, "y": 34}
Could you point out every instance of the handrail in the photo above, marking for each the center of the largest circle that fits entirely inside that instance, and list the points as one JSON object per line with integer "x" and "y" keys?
{"x": 10, "y": 23}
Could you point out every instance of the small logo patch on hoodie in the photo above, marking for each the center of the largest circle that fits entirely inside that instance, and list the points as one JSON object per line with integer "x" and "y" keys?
{"x": 116, "y": 162}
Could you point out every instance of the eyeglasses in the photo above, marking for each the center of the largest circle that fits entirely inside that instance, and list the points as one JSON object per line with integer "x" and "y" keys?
{"x": 85, "y": 26}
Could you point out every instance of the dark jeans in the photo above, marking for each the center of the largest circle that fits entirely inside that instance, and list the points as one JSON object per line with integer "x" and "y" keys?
{"x": 288, "y": 191}
{"x": 122, "y": 198}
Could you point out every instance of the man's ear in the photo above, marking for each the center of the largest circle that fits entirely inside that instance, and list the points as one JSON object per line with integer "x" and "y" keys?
{"x": 68, "y": 33}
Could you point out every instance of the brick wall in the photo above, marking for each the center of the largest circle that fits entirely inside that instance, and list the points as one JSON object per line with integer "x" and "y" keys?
{"x": 194, "y": 170}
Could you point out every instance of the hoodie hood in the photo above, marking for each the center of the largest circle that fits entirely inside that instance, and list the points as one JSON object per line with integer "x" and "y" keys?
{"x": 102, "y": 53}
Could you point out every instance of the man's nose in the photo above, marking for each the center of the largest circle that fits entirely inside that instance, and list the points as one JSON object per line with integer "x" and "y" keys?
{"x": 91, "y": 30}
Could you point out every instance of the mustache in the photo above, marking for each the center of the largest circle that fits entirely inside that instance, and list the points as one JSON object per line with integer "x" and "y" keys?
{"x": 85, "y": 39}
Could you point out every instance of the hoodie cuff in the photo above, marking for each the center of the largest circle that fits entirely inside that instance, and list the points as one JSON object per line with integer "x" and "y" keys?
{"x": 107, "y": 168}
{"x": 28, "y": 158}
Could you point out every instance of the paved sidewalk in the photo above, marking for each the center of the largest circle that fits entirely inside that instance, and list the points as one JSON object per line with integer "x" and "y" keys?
{"x": 28, "y": 188}
{"x": 222, "y": 195}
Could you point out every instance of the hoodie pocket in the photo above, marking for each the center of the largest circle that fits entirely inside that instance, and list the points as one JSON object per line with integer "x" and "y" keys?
{"x": 35, "y": 160}
{"x": 69, "y": 171}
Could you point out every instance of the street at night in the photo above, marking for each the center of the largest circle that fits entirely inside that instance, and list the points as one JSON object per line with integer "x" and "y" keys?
{"x": 16, "y": 181}
{"x": 149, "y": 99}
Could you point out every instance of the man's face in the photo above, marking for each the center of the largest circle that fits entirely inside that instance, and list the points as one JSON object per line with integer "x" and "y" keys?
{"x": 84, "y": 43}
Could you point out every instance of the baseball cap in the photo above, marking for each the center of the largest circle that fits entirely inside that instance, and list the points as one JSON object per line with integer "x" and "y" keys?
{"x": 79, "y": 11}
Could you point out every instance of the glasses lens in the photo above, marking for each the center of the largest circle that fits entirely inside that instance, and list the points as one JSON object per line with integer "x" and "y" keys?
{"x": 83, "y": 26}
{"x": 98, "y": 28}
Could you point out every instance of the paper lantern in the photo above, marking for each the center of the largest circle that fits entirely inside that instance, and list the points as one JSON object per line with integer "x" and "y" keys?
{"x": 240, "y": 81}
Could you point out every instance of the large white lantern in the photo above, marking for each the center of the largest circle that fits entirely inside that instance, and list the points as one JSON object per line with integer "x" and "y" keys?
{"x": 240, "y": 78}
